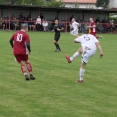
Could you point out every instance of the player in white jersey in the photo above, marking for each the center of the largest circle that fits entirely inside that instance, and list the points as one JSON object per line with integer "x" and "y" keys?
{"x": 88, "y": 49}
{"x": 75, "y": 28}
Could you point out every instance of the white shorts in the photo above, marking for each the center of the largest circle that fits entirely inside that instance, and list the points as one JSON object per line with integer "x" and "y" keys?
{"x": 86, "y": 55}
{"x": 75, "y": 33}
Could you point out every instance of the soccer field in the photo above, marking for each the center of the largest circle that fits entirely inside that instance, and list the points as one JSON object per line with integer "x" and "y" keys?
{"x": 55, "y": 92}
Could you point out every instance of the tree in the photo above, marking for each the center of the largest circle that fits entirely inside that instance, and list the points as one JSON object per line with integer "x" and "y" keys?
{"x": 50, "y": 3}
{"x": 54, "y": 3}
{"x": 102, "y": 3}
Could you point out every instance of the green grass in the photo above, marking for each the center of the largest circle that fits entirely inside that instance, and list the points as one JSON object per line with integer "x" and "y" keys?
{"x": 55, "y": 92}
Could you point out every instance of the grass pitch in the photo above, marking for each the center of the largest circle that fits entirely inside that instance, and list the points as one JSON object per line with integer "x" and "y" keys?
{"x": 55, "y": 92}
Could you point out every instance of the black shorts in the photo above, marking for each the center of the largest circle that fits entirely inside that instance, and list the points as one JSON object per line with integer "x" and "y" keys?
{"x": 57, "y": 36}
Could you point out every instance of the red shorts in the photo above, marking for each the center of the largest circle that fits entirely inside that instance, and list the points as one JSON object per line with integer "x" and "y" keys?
{"x": 20, "y": 58}
{"x": 93, "y": 33}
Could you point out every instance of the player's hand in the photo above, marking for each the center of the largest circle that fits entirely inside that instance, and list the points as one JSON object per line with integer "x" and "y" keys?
{"x": 70, "y": 25}
{"x": 52, "y": 30}
{"x": 29, "y": 52}
{"x": 58, "y": 29}
{"x": 101, "y": 55}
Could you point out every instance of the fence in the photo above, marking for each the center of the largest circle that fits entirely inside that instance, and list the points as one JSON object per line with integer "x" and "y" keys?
{"x": 16, "y": 25}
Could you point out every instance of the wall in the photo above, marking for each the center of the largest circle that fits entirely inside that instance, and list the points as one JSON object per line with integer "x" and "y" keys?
{"x": 70, "y": 5}
{"x": 50, "y": 15}
{"x": 113, "y": 3}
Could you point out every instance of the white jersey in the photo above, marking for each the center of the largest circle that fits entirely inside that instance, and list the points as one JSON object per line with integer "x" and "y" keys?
{"x": 75, "y": 25}
{"x": 87, "y": 40}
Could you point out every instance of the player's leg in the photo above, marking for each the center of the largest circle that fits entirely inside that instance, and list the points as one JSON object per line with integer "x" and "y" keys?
{"x": 74, "y": 33}
{"x": 58, "y": 49}
{"x": 19, "y": 59}
{"x": 23, "y": 69}
{"x": 82, "y": 72}
{"x": 29, "y": 68}
{"x": 94, "y": 34}
{"x": 75, "y": 55}
{"x": 99, "y": 37}
{"x": 85, "y": 58}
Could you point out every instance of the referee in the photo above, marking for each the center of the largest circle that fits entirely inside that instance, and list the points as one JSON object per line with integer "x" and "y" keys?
{"x": 57, "y": 28}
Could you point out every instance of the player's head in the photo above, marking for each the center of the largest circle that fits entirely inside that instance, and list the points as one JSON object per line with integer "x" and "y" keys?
{"x": 73, "y": 19}
{"x": 24, "y": 27}
{"x": 91, "y": 19}
{"x": 56, "y": 21}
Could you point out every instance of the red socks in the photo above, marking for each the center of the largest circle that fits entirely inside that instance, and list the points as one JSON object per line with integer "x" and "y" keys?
{"x": 23, "y": 69}
{"x": 29, "y": 67}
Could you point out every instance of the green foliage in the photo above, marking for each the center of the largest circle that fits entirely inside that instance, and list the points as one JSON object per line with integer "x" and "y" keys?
{"x": 51, "y": 3}
{"x": 102, "y": 3}
{"x": 54, "y": 3}
{"x": 113, "y": 16}
{"x": 2, "y": 1}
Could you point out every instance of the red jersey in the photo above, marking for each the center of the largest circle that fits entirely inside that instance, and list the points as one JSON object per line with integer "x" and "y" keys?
{"x": 20, "y": 38}
{"x": 92, "y": 29}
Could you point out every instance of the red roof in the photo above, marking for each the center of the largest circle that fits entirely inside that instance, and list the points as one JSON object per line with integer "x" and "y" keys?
{"x": 79, "y": 1}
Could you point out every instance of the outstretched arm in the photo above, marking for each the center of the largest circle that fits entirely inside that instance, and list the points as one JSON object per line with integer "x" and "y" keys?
{"x": 76, "y": 40}
{"x": 100, "y": 49}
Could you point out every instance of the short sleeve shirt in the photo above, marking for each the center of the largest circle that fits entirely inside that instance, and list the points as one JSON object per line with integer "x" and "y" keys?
{"x": 20, "y": 39}
{"x": 75, "y": 25}
{"x": 88, "y": 40}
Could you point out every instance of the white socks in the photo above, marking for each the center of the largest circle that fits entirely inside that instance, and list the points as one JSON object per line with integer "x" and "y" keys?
{"x": 74, "y": 56}
{"x": 82, "y": 71}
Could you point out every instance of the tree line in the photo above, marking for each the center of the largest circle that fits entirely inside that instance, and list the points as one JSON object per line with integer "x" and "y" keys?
{"x": 52, "y": 3}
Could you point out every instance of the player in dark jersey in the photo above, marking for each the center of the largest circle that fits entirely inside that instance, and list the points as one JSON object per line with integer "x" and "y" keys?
{"x": 57, "y": 28}
{"x": 20, "y": 43}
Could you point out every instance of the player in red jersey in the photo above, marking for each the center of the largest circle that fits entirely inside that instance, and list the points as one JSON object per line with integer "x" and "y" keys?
{"x": 92, "y": 28}
{"x": 21, "y": 48}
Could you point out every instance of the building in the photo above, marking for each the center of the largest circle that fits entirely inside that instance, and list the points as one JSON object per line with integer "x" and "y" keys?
{"x": 113, "y": 4}
{"x": 90, "y": 4}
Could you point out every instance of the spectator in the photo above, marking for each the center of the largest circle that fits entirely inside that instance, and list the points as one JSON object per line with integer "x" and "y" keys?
{"x": 107, "y": 27}
{"x": 11, "y": 24}
{"x": 86, "y": 25}
{"x": 1, "y": 22}
{"x": 28, "y": 17}
{"x": 25, "y": 22}
{"x": 111, "y": 23}
{"x": 45, "y": 24}
{"x": 38, "y": 23}
{"x": 31, "y": 24}
{"x": 97, "y": 20}
{"x": 71, "y": 18}
{"x": 41, "y": 16}
{"x": 16, "y": 23}
{"x": 98, "y": 27}
{"x": 104, "y": 21}
{"x": 20, "y": 15}
{"x": 61, "y": 23}
{"x": 13, "y": 16}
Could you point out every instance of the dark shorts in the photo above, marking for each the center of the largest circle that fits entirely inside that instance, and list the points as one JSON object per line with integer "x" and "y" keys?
{"x": 20, "y": 58}
{"x": 57, "y": 36}
{"x": 93, "y": 33}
